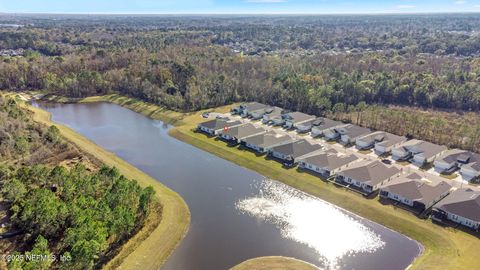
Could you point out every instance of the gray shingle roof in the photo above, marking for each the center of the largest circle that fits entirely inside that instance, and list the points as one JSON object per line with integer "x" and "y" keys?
{"x": 424, "y": 189}
{"x": 427, "y": 149}
{"x": 297, "y": 117}
{"x": 253, "y": 106}
{"x": 297, "y": 148}
{"x": 327, "y": 123}
{"x": 268, "y": 139}
{"x": 219, "y": 124}
{"x": 243, "y": 131}
{"x": 457, "y": 155}
{"x": 330, "y": 159}
{"x": 382, "y": 138}
{"x": 368, "y": 172}
{"x": 353, "y": 131}
{"x": 462, "y": 202}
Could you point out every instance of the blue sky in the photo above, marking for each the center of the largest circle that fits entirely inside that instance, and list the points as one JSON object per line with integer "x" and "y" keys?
{"x": 238, "y": 6}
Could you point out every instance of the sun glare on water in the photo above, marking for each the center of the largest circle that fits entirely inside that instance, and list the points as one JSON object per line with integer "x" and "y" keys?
{"x": 308, "y": 220}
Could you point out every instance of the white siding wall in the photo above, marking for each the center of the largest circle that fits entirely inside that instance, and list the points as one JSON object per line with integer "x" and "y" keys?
{"x": 345, "y": 139}
{"x": 398, "y": 154}
{"x": 462, "y": 220}
{"x": 441, "y": 166}
{"x": 419, "y": 160}
{"x": 362, "y": 144}
{"x": 381, "y": 149}
{"x": 399, "y": 198}
{"x": 468, "y": 174}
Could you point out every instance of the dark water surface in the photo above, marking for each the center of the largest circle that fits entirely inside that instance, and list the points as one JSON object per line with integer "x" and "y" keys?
{"x": 271, "y": 218}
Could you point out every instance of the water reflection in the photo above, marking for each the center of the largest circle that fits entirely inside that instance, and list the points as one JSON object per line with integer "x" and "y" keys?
{"x": 327, "y": 229}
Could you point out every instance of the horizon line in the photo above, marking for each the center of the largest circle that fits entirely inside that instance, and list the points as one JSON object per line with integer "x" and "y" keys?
{"x": 244, "y": 13}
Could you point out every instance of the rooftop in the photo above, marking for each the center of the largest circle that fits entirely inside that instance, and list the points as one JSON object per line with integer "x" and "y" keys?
{"x": 383, "y": 138}
{"x": 423, "y": 188}
{"x": 353, "y": 131}
{"x": 369, "y": 172}
{"x": 268, "y": 139}
{"x": 219, "y": 124}
{"x": 243, "y": 131}
{"x": 297, "y": 148}
{"x": 462, "y": 202}
{"x": 330, "y": 159}
{"x": 296, "y": 117}
{"x": 327, "y": 123}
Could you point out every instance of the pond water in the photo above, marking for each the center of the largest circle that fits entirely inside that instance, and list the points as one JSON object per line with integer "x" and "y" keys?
{"x": 237, "y": 214}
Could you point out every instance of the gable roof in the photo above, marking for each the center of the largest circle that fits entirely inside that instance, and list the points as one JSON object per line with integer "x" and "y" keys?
{"x": 460, "y": 156}
{"x": 426, "y": 149}
{"x": 217, "y": 124}
{"x": 297, "y": 148}
{"x": 327, "y": 123}
{"x": 296, "y": 117}
{"x": 353, "y": 131}
{"x": 243, "y": 130}
{"x": 267, "y": 139}
{"x": 369, "y": 172}
{"x": 415, "y": 187}
{"x": 273, "y": 111}
{"x": 382, "y": 138}
{"x": 462, "y": 202}
{"x": 330, "y": 159}
{"x": 253, "y": 106}
{"x": 311, "y": 123}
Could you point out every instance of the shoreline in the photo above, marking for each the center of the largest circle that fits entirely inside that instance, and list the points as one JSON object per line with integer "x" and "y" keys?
{"x": 150, "y": 249}
{"x": 440, "y": 247}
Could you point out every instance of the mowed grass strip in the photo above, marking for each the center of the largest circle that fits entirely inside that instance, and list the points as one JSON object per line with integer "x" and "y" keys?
{"x": 274, "y": 263}
{"x": 444, "y": 248}
{"x": 149, "y": 248}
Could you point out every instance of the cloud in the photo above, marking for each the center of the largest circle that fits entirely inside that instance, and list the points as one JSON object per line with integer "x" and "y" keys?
{"x": 460, "y": 2}
{"x": 406, "y": 6}
{"x": 266, "y": 1}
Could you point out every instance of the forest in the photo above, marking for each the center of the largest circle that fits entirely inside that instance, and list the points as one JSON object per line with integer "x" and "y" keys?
{"x": 82, "y": 211}
{"x": 314, "y": 64}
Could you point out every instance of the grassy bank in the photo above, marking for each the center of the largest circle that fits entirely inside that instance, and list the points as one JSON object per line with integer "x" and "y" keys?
{"x": 444, "y": 248}
{"x": 149, "y": 248}
{"x": 274, "y": 263}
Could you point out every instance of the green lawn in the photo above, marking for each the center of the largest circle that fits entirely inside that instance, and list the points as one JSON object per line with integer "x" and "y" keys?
{"x": 149, "y": 248}
{"x": 274, "y": 263}
{"x": 444, "y": 248}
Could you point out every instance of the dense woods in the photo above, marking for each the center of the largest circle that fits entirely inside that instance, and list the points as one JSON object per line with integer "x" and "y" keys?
{"x": 315, "y": 64}
{"x": 80, "y": 213}
{"x": 305, "y": 63}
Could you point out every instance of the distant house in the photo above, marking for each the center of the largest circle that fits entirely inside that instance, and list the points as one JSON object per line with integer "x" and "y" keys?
{"x": 420, "y": 192}
{"x": 455, "y": 159}
{"x": 382, "y": 141}
{"x": 420, "y": 152}
{"x": 307, "y": 126}
{"x": 333, "y": 134}
{"x": 215, "y": 126}
{"x": 272, "y": 113}
{"x": 293, "y": 119}
{"x": 350, "y": 133}
{"x": 327, "y": 163}
{"x": 471, "y": 170}
{"x": 462, "y": 206}
{"x": 325, "y": 124}
{"x": 262, "y": 143}
{"x": 367, "y": 175}
{"x": 246, "y": 109}
{"x": 237, "y": 133}
{"x": 289, "y": 153}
